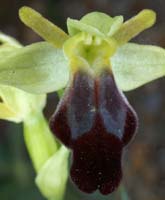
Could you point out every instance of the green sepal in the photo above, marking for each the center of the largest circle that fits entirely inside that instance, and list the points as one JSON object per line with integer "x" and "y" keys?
{"x": 53, "y": 176}
{"x": 37, "y": 68}
{"x": 98, "y": 20}
{"x": 76, "y": 26}
{"x": 95, "y": 23}
{"x": 135, "y": 65}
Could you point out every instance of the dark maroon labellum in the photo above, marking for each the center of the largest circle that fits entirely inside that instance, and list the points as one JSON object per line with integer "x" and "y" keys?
{"x": 95, "y": 120}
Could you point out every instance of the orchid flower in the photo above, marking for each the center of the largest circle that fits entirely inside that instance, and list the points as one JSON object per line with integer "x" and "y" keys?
{"x": 94, "y": 62}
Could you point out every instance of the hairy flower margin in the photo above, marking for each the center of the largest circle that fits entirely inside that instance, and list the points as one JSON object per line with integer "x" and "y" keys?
{"x": 95, "y": 41}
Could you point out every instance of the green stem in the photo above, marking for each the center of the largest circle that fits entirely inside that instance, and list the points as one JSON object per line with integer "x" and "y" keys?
{"x": 39, "y": 140}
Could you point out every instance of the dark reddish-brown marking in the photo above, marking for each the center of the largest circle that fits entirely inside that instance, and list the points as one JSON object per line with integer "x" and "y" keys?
{"x": 95, "y": 120}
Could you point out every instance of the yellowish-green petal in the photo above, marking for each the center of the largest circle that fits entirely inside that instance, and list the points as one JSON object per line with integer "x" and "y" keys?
{"x": 46, "y": 29}
{"x": 135, "y": 25}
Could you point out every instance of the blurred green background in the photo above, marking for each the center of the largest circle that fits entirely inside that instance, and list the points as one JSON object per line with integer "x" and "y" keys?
{"x": 144, "y": 160}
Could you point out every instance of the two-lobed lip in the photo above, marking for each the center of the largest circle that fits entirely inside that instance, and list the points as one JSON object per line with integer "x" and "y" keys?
{"x": 95, "y": 120}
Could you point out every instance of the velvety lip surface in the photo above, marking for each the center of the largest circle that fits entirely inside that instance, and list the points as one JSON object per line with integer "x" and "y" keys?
{"x": 95, "y": 120}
